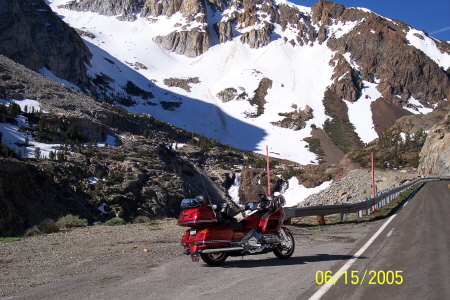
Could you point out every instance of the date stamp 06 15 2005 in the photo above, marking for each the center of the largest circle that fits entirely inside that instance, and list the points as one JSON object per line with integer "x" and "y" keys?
{"x": 359, "y": 278}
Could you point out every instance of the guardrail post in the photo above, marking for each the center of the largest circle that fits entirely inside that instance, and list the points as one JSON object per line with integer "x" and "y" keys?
{"x": 368, "y": 211}
{"x": 321, "y": 220}
{"x": 342, "y": 217}
{"x": 360, "y": 213}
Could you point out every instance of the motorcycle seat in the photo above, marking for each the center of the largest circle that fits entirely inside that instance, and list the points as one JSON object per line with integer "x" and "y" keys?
{"x": 237, "y": 226}
{"x": 226, "y": 215}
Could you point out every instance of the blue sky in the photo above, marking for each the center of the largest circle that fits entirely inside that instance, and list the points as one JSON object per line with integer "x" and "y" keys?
{"x": 432, "y": 16}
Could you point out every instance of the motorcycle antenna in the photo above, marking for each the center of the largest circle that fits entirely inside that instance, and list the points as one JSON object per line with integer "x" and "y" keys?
{"x": 268, "y": 170}
{"x": 207, "y": 194}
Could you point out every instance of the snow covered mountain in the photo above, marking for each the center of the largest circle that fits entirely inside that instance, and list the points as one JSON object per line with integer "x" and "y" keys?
{"x": 261, "y": 72}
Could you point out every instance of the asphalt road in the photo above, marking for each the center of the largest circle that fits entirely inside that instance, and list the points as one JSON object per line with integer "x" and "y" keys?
{"x": 416, "y": 241}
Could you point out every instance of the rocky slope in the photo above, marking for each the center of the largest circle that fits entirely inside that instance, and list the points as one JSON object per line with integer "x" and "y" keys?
{"x": 33, "y": 35}
{"x": 401, "y": 145}
{"x": 143, "y": 175}
{"x": 356, "y": 186}
{"x": 125, "y": 10}
{"x": 435, "y": 154}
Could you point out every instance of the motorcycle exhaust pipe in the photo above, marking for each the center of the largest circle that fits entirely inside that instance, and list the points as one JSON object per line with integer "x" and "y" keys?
{"x": 229, "y": 249}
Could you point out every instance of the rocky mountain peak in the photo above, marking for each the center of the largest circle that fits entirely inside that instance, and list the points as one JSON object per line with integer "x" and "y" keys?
{"x": 325, "y": 12}
{"x": 168, "y": 8}
{"x": 125, "y": 9}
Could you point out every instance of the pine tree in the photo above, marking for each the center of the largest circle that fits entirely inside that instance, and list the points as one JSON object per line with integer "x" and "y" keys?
{"x": 60, "y": 155}
{"x": 27, "y": 140}
{"x": 37, "y": 153}
{"x": 51, "y": 155}
{"x": 14, "y": 109}
{"x": 41, "y": 126}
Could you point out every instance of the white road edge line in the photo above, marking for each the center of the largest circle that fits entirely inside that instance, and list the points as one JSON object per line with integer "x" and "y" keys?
{"x": 317, "y": 295}
{"x": 405, "y": 204}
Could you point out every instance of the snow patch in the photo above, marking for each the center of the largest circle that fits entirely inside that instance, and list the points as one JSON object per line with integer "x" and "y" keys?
{"x": 233, "y": 191}
{"x": 428, "y": 46}
{"x": 297, "y": 193}
{"x": 416, "y": 107}
{"x": 360, "y": 112}
{"x": 15, "y": 139}
{"x": 342, "y": 28}
{"x": 403, "y": 136}
{"x": 177, "y": 146}
{"x": 101, "y": 208}
{"x": 47, "y": 73}
{"x": 30, "y": 105}
{"x": 303, "y": 9}
{"x": 110, "y": 141}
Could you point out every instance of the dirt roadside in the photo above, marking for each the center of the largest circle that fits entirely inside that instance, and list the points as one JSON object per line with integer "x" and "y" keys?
{"x": 48, "y": 258}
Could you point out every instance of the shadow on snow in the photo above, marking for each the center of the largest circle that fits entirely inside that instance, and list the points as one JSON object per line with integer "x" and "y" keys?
{"x": 191, "y": 114}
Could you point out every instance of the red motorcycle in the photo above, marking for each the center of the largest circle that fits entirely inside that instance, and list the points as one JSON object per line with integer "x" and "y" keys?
{"x": 214, "y": 234}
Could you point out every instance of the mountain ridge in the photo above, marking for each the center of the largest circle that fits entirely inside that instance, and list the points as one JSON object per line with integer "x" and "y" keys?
{"x": 370, "y": 60}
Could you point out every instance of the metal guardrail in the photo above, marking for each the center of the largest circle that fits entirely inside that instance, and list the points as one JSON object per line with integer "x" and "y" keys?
{"x": 368, "y": 204}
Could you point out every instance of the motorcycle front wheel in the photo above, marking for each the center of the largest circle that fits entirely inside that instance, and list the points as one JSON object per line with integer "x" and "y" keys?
{"x": 287, "y": 246}
{"x": 214, "y": 259}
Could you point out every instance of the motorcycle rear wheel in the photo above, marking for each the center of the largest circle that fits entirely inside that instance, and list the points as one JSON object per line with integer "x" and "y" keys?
{"x": 286, "y": 248}
{"x": 214, "y": 259}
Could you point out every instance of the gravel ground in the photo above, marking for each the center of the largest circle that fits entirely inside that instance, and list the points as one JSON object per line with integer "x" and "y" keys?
{"x": 48, "y": 258}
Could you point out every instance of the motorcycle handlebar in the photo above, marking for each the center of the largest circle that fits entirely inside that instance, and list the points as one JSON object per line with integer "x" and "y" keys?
{"x": 266, "y": 203}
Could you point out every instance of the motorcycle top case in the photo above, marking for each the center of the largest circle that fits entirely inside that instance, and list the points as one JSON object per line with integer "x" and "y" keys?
{"x": 197, "y": 216}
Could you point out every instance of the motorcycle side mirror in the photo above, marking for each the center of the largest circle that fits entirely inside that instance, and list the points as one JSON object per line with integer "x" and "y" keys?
{"x": 249, "y": 206}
